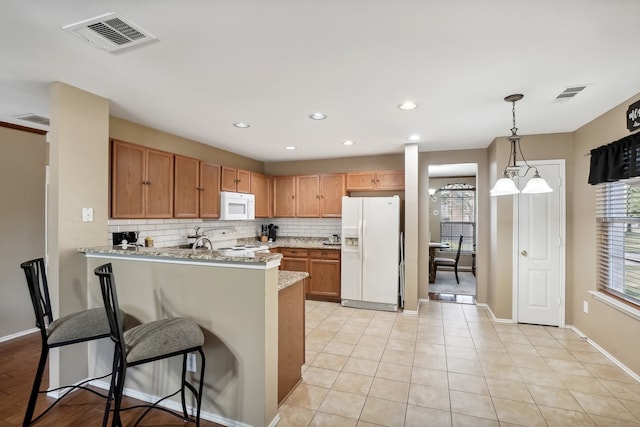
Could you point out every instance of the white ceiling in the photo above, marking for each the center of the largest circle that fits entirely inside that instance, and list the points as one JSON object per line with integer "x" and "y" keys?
{"x": 272, "y": 63}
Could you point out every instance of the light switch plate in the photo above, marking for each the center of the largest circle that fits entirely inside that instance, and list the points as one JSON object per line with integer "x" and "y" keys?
{"x": 87, "y": 214}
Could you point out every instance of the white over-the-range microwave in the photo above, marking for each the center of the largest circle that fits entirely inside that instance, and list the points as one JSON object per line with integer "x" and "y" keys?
{"x": 237, "y": 206}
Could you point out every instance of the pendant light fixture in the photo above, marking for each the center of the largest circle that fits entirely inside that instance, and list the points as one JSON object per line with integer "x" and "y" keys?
{"x": 505, "y": 186}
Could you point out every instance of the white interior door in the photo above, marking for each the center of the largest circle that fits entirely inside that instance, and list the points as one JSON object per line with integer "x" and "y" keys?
{"x": 540, "y": 239}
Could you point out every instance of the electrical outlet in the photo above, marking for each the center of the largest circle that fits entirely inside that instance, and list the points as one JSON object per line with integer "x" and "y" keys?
{"x": 585, "y": 306}
{"x": 87, "y": 214}
{"x": 191, "y": 362}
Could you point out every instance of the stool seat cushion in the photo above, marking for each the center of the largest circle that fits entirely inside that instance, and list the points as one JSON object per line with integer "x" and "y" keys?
{"x": 161, "y": 337}
{"x": 442, "y": 260}
{"x": 78, "y": 326}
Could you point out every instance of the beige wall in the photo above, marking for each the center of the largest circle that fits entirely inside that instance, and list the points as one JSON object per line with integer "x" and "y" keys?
{"x": 482, "y": 226}
{"x": 345, "y": 164}
{"x": 79, "y": 178}
{"x": 534, "y": 147}
{"x": 611, "y": 329}
{"x": 22, "y": 222}
{"x": 138, "y": 134}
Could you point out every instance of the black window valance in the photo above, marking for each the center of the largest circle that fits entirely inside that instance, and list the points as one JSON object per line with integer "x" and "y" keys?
{"x": 615, "y": 161}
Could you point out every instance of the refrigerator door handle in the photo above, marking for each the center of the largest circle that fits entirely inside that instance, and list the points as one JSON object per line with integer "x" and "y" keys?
{"x": 363, "y": 256}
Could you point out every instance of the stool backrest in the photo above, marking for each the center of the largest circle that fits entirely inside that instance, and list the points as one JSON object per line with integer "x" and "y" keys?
{"x": 459, "y": 248}
{"x": 36, "y": 276}
{"x": 110, "y": 298}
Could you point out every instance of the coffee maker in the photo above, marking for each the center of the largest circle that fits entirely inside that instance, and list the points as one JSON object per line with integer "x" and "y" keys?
{"x": 272, "y": 231}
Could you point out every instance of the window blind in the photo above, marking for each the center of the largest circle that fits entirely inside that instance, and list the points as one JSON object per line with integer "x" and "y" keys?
{"x": 618, "y": 232}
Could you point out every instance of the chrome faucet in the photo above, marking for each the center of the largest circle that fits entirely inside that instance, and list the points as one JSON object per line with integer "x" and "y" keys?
{"x": 202, "y": 240}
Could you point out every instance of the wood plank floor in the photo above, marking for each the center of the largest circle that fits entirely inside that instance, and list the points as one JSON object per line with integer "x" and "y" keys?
{"x": 18, "y": 361}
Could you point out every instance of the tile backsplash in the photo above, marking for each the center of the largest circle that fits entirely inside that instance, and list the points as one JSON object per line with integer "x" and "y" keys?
{"x": 173, "y": 232}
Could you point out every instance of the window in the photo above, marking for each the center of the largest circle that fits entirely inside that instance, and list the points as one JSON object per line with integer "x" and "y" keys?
{"x": 458, "y": 215}
{"x": 618, "y": 232}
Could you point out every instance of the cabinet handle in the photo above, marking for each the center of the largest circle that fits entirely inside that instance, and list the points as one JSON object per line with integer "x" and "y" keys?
{"x": 293, "y": 197}
{"x": 199, "y": 188}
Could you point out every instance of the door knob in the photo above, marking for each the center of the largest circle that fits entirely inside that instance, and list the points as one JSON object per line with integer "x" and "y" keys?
{"x": 523, "y": 253}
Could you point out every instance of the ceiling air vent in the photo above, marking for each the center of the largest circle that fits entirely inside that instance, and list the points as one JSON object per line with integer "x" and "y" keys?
{"x": 569, "y": 93}
{"x": 110, "y": 32}
{"x": 34, "y": 118}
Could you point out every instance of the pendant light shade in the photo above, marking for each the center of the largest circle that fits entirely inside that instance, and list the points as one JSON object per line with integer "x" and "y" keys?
{"x": 505, "y": 186}
{"x": 537, "y": 185}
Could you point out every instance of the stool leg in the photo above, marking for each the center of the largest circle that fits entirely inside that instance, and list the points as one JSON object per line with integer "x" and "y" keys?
{"x": 200, "y": 388}
{"x": 35, "y": 389}
{"x": 183, "y": 385}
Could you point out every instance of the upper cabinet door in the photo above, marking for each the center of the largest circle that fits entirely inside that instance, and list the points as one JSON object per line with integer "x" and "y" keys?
{"x": 308, "y": 196}
{"x": 260, "y": 188}
{"x": 209, "y": 192}
{"x": 284, "y": 195}
{"x": 187, "y": 184}
{"x": 361, "y": 181}
{"x": 159, "y": 187}
{"x": 236, "y": 180}
{"x": 332, "y": 188}
{"x": 390, "y": 180}
{"x": 243, "y": 184}
{"x": 228, "y": 181}
{"x": 127, "y": 180}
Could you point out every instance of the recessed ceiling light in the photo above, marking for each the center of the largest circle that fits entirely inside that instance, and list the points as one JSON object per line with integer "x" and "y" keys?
{"x": 290, "y": 147}
{"x": 349, "y": 142}
{"x": 407, "y": 105}
{"x": 318, "y": 116}
{"x": 241, "y": 125}
{"x": 415, "y": 138}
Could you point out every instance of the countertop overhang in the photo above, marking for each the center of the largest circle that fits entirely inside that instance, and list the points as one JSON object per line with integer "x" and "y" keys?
{"x": 184, "y": 256}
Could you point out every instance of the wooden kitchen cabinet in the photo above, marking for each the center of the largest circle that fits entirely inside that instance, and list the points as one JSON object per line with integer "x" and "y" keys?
{"x": 284, "y": 195}
{"x": 291, "y": 332}
{"x": 141, "y": 182}
{"x": 294, "y": 259}
{"x": 236, "y": 180}
{"x": 261, "y": 188}
{"x": 197, "y": 189}
{"x": 332, "y": 189}
{"x": 307, "y": 196}
{"x": 323, "y": 266}
{"x": 324, "y": 275}
{"x": 375, "y": 180}
{"x": 209, "y": 191}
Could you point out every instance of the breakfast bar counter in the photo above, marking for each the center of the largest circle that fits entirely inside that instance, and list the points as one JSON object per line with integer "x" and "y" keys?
{"x": 235, "y": 302}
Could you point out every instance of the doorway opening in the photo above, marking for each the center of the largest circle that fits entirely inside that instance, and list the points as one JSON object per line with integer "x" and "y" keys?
{"x": 452, "y": 232}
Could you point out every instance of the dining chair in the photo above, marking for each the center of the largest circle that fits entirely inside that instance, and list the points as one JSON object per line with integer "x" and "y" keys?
{"x": 145, "y": 343}
{"x": 74, "y": 328}
{"x": 449, "y": 262}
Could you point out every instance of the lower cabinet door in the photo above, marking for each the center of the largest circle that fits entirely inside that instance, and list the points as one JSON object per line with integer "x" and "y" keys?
{"x": 324, "y": 280}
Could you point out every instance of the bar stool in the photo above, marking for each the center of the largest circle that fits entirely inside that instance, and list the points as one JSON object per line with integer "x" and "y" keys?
{"x": 156, "y": 340}
{"x": 74, "y": 328}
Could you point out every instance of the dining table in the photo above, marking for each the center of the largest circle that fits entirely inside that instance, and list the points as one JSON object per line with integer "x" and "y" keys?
{"x": 433, "y": 246}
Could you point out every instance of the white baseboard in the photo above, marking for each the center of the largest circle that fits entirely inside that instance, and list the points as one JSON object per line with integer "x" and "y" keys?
{"x": 605, "y": 353}
{"x": 18, "y": 334}
{"x": 493, "y": 316}
{"x": 176, "y": 406}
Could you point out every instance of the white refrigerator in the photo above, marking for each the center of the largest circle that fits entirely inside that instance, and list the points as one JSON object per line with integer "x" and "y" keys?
{"x": 370, "y": 252}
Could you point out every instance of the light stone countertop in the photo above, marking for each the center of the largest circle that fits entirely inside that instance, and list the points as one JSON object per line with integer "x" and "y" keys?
{"x": 294, "y": 242}
{"x": 180, "y": 254}
{"x": 288, "y": 278}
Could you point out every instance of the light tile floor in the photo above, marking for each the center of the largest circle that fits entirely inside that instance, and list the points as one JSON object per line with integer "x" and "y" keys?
{"x": 452, "y": 366}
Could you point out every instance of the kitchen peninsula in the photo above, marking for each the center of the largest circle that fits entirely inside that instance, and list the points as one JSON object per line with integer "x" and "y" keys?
{"x": 235, "y": 302}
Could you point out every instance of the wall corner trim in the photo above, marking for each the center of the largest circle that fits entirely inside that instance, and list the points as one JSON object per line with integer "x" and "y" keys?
{"x": 493, "y": 316}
